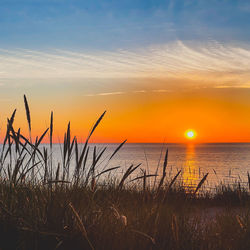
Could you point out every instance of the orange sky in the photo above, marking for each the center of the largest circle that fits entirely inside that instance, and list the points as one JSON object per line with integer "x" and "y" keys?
{"x": 216, "y": 114}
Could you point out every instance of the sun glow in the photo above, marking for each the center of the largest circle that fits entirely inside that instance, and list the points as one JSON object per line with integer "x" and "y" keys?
{"x": 190, "y": 134}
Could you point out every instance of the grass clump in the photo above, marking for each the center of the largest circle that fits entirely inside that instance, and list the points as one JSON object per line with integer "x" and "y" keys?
{"x": 70, "y": 205}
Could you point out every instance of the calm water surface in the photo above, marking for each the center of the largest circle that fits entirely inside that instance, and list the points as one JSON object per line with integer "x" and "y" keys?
{"x": 225, "y": 162}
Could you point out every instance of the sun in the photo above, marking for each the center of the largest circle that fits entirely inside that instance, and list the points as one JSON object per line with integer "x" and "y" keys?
{"x": 190, "y": 134}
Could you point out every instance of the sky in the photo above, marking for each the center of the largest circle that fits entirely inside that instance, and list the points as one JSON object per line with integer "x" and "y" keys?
{"x": 157, "y": 67}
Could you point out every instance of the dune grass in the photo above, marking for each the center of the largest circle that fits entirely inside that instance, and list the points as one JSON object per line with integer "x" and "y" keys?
{"x": 76, "y": 205}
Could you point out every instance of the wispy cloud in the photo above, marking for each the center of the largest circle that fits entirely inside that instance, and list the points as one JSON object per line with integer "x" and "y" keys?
{"x": 106, "y": 94}
{"x": 130, "y": 92}
{"x": 243, "y": 86}
{"x": 204, "y": 62}
{"x": 140, "y": 91}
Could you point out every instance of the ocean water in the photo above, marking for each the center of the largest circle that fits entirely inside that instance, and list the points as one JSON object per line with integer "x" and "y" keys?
{"x": 226, "y": 163}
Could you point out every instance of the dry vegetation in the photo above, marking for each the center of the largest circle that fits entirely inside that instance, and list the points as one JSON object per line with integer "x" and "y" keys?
{"x": 71, "y": 206}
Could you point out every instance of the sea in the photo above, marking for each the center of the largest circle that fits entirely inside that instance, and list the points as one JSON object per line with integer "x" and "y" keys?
{"x": 225, "y": 163}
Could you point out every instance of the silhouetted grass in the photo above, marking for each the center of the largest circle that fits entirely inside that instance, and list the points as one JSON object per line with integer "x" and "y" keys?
{"x": 75, "y": 205}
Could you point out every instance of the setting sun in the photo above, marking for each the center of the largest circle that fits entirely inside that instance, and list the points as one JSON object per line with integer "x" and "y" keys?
{"x": 190, "y": 134}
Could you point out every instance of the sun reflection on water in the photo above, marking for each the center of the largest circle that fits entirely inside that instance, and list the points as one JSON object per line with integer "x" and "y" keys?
{"x": 190, "y": 172}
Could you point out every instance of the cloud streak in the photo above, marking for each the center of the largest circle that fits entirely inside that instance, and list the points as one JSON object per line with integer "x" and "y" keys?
{"x": 207, "y": 62}
{"x": 133, "y": 92}
{"x": 106, "y": 94}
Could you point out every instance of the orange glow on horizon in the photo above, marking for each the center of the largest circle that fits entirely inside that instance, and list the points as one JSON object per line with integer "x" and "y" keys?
{"x": 219, "y": 115}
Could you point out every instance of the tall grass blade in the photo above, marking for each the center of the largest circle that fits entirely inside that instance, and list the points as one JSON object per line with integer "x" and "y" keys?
{"x": 151, "y": 239}
{"x": 27, "y": 112}
{"x": 142, "y": 176}
{"x": 41, "y": 138}
{"x": 163, "y": 171}
{"x": 9, "y": 124}
{"x": 105, "y": 171}
{"x": 80, "y": 225}
{"x": 51, "y": 129}
{"x": 201, "y": 183}
{"x": 117, "y": 149}
{"x": 171, "y": 184}
{"x": 95, "y": 125}
{"x": 174, "y": 179}
{"x": 165, "y": 163}
{"x": 129, "y": 171}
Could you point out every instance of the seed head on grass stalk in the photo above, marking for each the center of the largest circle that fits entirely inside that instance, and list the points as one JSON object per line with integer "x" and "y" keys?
{"x": 9, "y": 125}
{"x": 163, "y": 172}
{"x": 122, "y": 219}
{"x": 201, "y": 183}
{"x": 7, "y": 136}
{"x": 51, "y": 129}
{"x": 95, "y": 125}
{"x": 117, "y": 149}
{"x": 27, "y": 114}
{"x": 240, "y": 222}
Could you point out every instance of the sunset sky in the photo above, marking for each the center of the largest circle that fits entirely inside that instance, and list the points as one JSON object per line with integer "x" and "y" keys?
{"x": 158, "y": 67}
